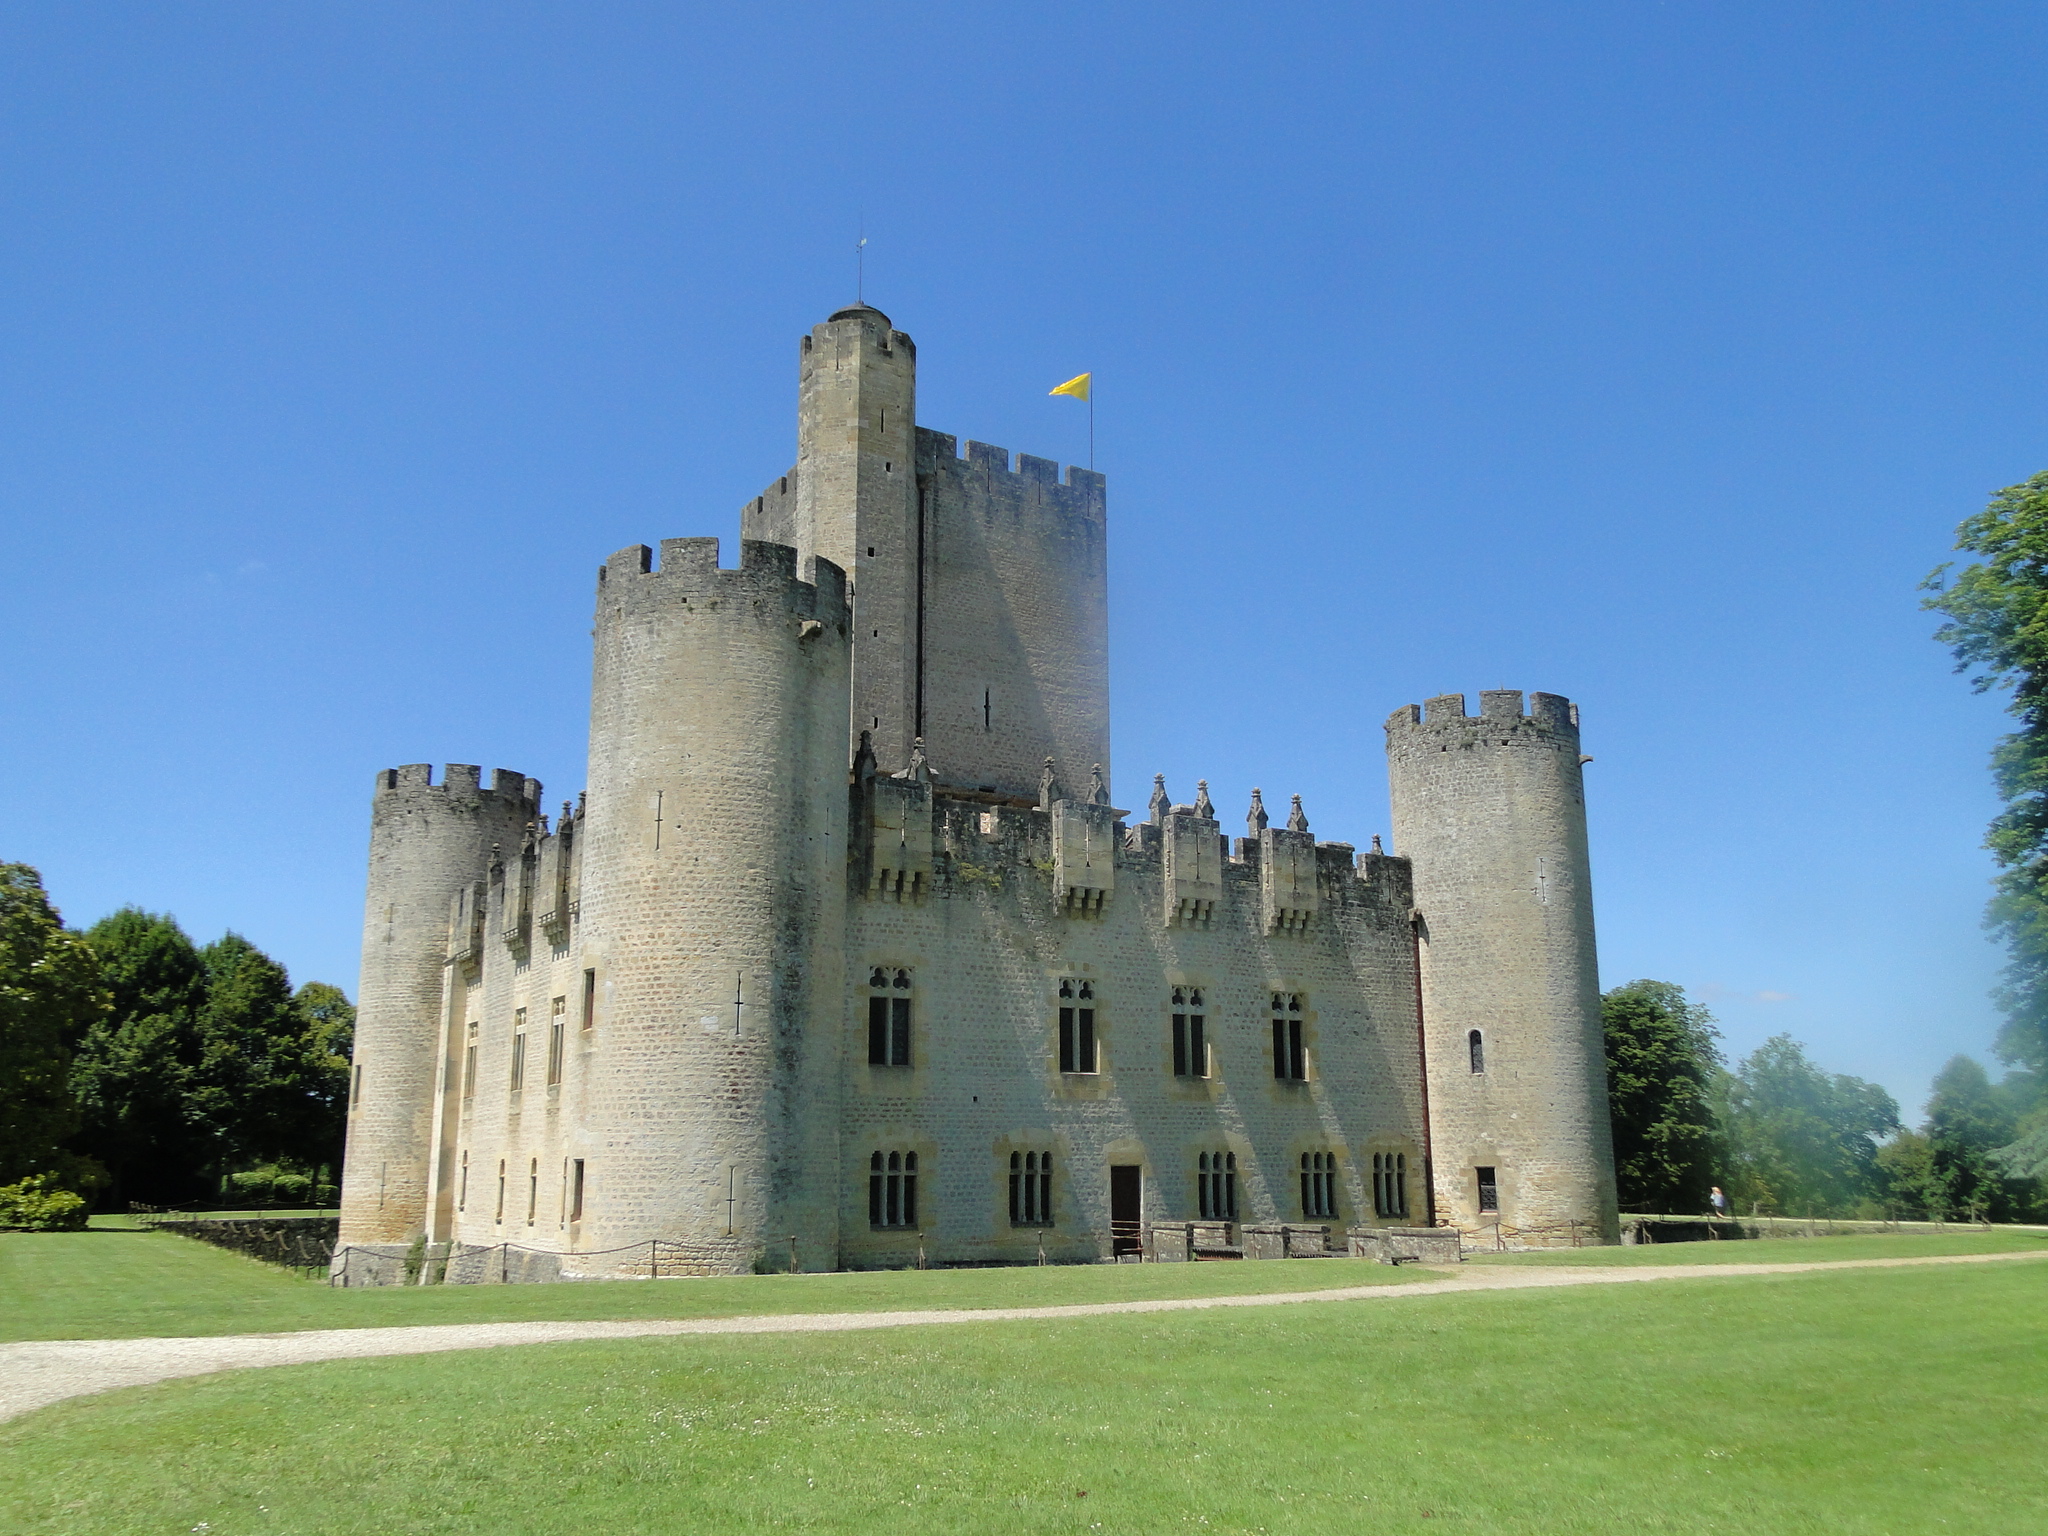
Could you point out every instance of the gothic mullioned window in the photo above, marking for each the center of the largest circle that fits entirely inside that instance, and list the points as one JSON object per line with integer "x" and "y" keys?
{"x": 888, "y": 1017}
{"x": 1030, "y": 1189}
{"x": 892, "y": 1189}
{"x": 1190, "y": 1037}
{"x": 1318, "y": 1184}
{"x": 1077, "y": 1024}
{"x": 1290, "y": 1061}
{"x": 1216, "y": 1186}
{"x": 1390, "y": 1183}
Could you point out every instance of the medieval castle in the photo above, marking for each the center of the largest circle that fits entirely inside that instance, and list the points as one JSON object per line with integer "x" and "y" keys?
{"x": 847, "y": 959}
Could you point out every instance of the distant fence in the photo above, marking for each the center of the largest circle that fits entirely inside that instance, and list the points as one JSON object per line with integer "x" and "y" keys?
{"x": 297, "y": 1242}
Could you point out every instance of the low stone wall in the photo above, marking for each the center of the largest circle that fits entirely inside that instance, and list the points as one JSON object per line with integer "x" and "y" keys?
{"x": 1400, "y": 1245}
{"x": 300, "y": 1242}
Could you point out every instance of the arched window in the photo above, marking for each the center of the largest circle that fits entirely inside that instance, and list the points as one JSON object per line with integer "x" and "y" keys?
{"x": 1190, "y": 1034}
{"x": 1216, "y": 1186}
{"x": 1475, "y": 1046}
{"x": 892, "y": 1189}
{"x": 889, "y": 992}
{"x": 1318, "y": 1184}
{"x": 1030, "y": 1189}
{"x": 1390, "y": 1183}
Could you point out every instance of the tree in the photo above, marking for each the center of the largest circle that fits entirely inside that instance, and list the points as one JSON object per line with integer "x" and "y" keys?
{"x": 327, "y": 1032}
{"x": 134, "y": 1068}
{"x": 50, "y": 998}
{"x": 1661, "y": 1066}
{"x": 1799, "y": 1139}
{"x": 1997, "y": 628}
{"x": 1969, "y": 1118}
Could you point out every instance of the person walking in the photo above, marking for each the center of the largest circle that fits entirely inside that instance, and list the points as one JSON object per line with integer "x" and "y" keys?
{"x": 1719, "y": 1200}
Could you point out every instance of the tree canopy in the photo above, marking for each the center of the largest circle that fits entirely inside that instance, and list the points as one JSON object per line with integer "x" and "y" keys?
{"x": 50, "y": 998}
{"x": 1661, "y": 1066}
{"x": 1800, "y": 1139}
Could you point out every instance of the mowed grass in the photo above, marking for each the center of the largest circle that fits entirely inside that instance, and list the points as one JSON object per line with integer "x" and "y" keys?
{"x": 112, "y": 1283}
{"x": 1852, "y": 1403}
{"x": 1791, "y": 1250}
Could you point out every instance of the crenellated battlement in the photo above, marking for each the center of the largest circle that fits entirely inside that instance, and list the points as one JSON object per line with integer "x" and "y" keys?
{"x": 688, "y": 571}
{"x": 1549, "y": 715}
{"x": 941, "y": 451}
{"x": 459, "y": 779}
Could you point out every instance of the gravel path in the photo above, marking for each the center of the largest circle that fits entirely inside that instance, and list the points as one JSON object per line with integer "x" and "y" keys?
{"x": 34, "y": 1375}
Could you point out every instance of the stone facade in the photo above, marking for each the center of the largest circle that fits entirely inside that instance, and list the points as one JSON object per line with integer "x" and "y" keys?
{"x": 847, "y": 960}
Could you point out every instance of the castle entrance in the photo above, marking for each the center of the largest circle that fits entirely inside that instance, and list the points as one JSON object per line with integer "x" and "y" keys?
{"x": 1126, "y": 1209}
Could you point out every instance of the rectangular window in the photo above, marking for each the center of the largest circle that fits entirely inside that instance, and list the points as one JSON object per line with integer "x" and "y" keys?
{"x": 462, "y": 1188}
{"x": 557, "y": 1024}
{"x": 1489, "y": 1190}
{"x": 355, "y": 1092}
{"x": 576, "y": 1189}
{"x": 1190, "y": 1041}
{"x": 1077, "y": 1025}
{"x": 518, "y": 1050}
{"x": 888, "y": 1017}
{"x": 1290, "y": 1063}
{"x": 500, "y": 1217}
{"x": 1030, "y": 1189}
{"x": 589, "y": 998}
{"x": 532, "y": 1189}
{"x": 892, "y": 1189}
{"x": 469, "y": 1065}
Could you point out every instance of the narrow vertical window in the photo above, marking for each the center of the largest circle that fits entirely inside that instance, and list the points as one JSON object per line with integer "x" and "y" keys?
{"x": 462, "y": 1185}
{"x": 1475, "y": 1047}
{"x": 575, "y": 1189}
{"x": 469, "y": 1064}
{"x": 1489, "y": 1190}
{"x": 987, "y": 709}
{"x": 532, "y": 1189}
{"x": 1077, "y": 1025}
{"x": 500, "y": 1217}
{"x": 518, "y": 1049}
{"x": 558, "y": 1022}
{"x": 589, "y": 998}
{"x": 1180, "y": 1033}
{"x": 1290, "y": 1061}
{"x": 355, "y": 1091}
{"x": 888, "y": 1017}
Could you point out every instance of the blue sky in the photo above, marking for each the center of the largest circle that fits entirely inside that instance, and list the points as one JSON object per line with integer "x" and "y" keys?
{"x": 1644, "y": 353}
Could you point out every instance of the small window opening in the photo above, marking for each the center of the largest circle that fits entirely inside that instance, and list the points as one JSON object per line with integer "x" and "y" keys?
{"x": 1318, "y": 1184}
{"x": 462, "y": 1185}
{"x": 355, "y": 1091}
{"x": 532, "y": 1189}
{"x": 1475, "y": 1046}
{"x": 1290, "y": 1061}
{"x": 1190, "y": 1036}
{"x": 1030, "y": 1189}
{"x": 558, "y": 1024}
{"x": 589, "y": 999}
{"x": 892, "y": 1189}
{"x": 576, "y": 1189}
{"x": 469, "y": 1064}
{"x": 1077, "y": 1026}
{"x": 1489, "y": 1190}
{"x": 518, "y": 1049}
{"x": 987, "y": 709}
{"x": 871, "y": 551}
{"x": 500, "y": 1217}
{"x": 1216, "y": 1186}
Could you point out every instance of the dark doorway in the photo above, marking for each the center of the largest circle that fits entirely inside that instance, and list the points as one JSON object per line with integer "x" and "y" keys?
{"x": 1126, "y": 1209}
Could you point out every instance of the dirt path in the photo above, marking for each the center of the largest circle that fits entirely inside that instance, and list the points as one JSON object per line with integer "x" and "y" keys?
{"x": 34, "y": 1375}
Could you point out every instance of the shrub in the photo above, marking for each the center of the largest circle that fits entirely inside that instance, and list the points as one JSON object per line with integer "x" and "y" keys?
{"x": 36, "y": 1204}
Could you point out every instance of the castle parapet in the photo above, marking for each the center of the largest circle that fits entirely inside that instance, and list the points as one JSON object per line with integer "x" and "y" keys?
{"x": 689, "y": 574}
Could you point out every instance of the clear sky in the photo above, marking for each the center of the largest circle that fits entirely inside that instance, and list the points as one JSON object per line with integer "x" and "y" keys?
{"x": 1643, "y": 353}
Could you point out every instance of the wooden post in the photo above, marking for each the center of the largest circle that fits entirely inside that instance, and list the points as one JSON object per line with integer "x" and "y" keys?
{"x": 792, "y": 1253}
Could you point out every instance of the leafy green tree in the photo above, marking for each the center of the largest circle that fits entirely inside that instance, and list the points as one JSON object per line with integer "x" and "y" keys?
{"x": 1969, "y": 1118}
{"x": 239, "y": 1097}
{"x": 327, "y": 1031}
{"x": 1661, "y": 1066}
{"x": 1909, "y": 1183}
{"x": 1997, "y": 629}
{"x": 1800, "y": 1139}
{"x": 50, "y": 998}
{"x": 134, "y": 1068}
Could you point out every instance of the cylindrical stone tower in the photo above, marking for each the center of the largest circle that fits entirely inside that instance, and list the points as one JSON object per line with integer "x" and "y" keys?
{"x": 714, "y": 904}
{"x": 1492, "y": 811}
{"x": 427, "y": 841}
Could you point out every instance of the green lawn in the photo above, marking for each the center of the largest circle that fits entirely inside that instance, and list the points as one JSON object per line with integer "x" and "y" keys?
{"x": 111, "y": 1283}
{"x": 1851, "y": 1403}
{"x": 1789, "y": 1250}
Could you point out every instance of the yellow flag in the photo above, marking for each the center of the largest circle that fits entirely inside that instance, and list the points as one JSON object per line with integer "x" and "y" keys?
{"x": 1078, "y": 386}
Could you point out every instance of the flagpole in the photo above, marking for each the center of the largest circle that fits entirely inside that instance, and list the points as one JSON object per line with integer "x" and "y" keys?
{"x": 1091, "y": 426}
